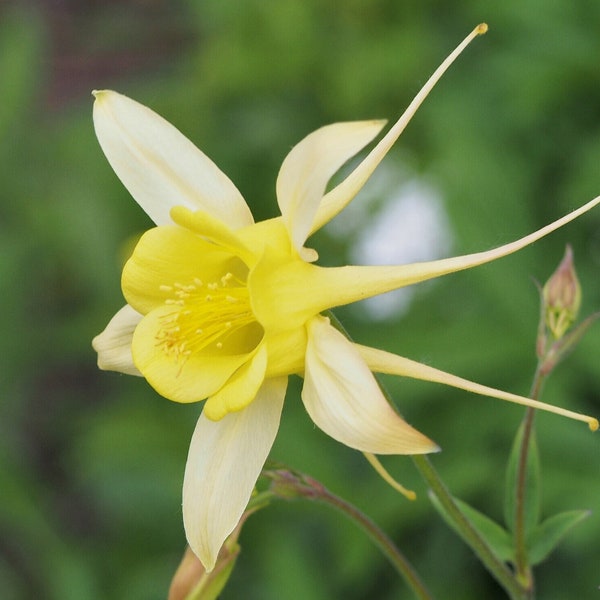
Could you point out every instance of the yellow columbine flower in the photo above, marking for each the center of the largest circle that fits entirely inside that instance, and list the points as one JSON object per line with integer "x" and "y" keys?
{"x": 223, "y": 309}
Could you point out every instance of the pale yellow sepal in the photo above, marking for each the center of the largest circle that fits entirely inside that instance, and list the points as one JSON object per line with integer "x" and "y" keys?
{"x": 159, "y": 166}
{"x": 310, "y": 165}
{"x": 113, "y": 345}
{"x": 342, "y": 397}
{"x": 224, "y": 462}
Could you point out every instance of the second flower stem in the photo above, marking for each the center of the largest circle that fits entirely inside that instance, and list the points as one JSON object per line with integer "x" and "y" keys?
{"x": 470, "y": 535}
{"x": 523, "y": 571}
{"x": 522, "y": 568}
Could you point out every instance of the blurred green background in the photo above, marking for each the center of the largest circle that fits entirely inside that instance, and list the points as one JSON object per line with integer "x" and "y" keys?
{"x": 91, "y": 463}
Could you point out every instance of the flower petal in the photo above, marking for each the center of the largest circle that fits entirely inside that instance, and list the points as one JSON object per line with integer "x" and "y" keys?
{"x": 159, "y": 166}
{"x": 213, "y": 230}
{"x": 392, "y": 364}
{"x": 240, "y": 389}
{"x": 224, "y": 462}
{"x": 342, "y": 397}
{"x": 310, "y": 165}
{"x": 167, "y": 255}
{"x": 287, "y": 350}
{"x": 342, "y": 285}
{"x": 191, "y": 378}
{"x": 342, "y": 194}
{"x": 113, "y": 345}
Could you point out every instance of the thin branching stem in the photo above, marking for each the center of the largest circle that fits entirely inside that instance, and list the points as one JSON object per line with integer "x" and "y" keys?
{"x": 383, "y": 542}
{"x": 288, "y": 484}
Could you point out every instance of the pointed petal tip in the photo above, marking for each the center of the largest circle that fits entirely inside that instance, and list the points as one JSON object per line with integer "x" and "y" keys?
{"x": 433, "y": 449}
{"x": 99, "y": 94}
{"x": 337, "y": 384}
{"x": 426, "y": 446}
{"x": 224, "y": 461}
{"x": 160, "y": 166}
{"x": 208, "y": 562}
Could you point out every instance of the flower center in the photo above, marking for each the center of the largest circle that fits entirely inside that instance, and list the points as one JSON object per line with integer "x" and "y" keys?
{"x": 204, "y": 316}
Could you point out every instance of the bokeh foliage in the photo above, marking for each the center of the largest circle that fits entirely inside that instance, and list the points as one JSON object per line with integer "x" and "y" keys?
{"x": 91, "y": 463}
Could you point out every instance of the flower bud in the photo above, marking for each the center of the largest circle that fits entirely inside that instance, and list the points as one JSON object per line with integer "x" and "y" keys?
{"x": 562, "y": 296}
{"x": 192, "y": 582}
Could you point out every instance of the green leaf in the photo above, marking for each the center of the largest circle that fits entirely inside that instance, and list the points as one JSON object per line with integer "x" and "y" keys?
{"x": 495, "y": 536}
{"x": 531, "y": 488}
{"x": 546, "y": 537}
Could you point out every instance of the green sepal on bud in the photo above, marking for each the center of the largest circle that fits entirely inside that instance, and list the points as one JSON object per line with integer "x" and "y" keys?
{"x": 560, "y": 302}
{"x": 561, "y": 297}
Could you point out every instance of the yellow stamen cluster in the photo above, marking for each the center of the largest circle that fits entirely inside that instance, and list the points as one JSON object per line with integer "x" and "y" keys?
{"x": 204, "y": 314}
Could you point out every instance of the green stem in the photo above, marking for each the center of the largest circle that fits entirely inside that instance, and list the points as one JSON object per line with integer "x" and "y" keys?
{"x": 470, "y": 535}
{"x": 384, "y": 543}
{"x": 522, "y": 567}
{"x": 289, "y": 485}
{"x": 523, "y": 571}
